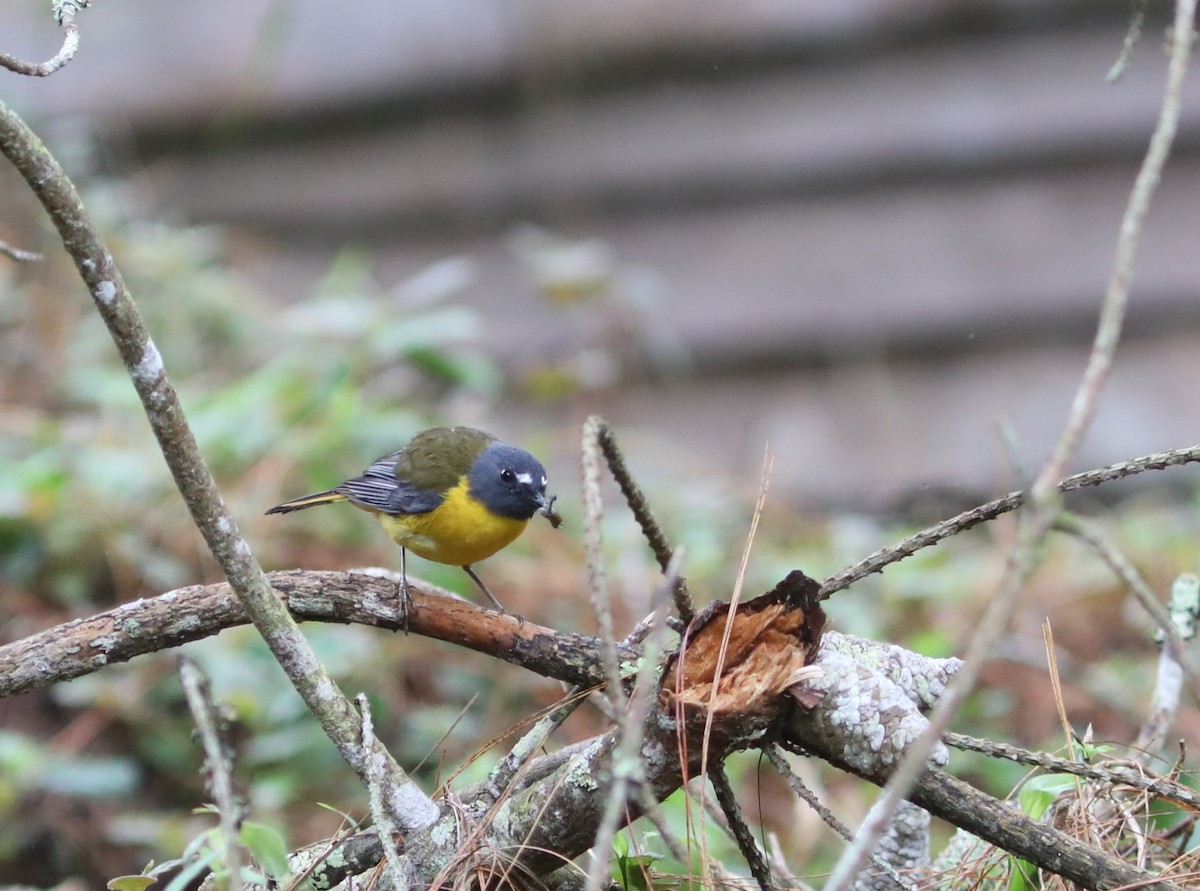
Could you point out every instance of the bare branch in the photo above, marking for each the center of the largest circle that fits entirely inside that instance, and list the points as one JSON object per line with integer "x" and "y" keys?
{"x": 640, "y": 507}
{"x": 1137, "y": 18}
{"x": 564, "y": 782}
{"x": 739, "y": 828}
{"x": 1118, "y": 772}
{"x": 968, "y": 519}
{"x": 220, "y": 768}
{"x": 1091, "y": 535}
{"x": 628, "y": 772}
{"x": 82, "y": 646}
{"x": 862, "y": 708}
{"x": 562, "y": 779}
{"x": 593, "y": 512}
{"x": 376, "y": 787}
{"x": 64, "y": 14}
{"x": 1116, "y": 297}
{"x": 19, "y": 255}
{"x": 962, "y": 804}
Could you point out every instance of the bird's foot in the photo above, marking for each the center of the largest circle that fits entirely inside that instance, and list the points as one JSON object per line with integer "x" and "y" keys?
{"x": 403, "y": 604}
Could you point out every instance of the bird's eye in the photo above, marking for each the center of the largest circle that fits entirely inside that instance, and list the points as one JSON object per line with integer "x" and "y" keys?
{"x": 507, "y": 475}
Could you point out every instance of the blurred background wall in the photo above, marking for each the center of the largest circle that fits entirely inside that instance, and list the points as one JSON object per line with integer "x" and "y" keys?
{"x": 870, "y": 234}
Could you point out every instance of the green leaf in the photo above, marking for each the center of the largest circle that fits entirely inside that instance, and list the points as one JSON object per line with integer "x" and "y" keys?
{"x": 1022, "y": 875}
{"x": 267, "y": 846}
{"x": 631, "y": 870}
{"x": 193, "y": 870}
{"x": 1039, "y": 793}
{"x": 131, "y": 883}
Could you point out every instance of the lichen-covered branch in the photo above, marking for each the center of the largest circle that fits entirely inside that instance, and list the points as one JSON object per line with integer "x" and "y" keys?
{"x": 867, "y": 722}
{"x": 150, "y": 625}
{"x": 219, "y": 764}
{"x": 875, "y": 695}
{"x": 64, "y": 14}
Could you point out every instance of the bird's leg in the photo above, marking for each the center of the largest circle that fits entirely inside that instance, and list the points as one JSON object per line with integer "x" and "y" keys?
{"x": 405, "y": 595}
{"x": 484, "y": 588}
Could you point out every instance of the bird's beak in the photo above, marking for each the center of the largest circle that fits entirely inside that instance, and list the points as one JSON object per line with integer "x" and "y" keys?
{"x": 547, "y": 510}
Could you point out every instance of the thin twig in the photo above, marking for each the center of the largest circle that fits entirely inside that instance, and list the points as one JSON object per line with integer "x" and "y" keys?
{"x": 1044, "y": 492}
{"x": 64, "y": 13}
{"x": 1137, "y": 18}
{"x": 1091, "y": 535}
{"x": 1116, "y": 297}
{"x": 593, "y": 512}
{"x": 376, "y": 782}
{"x": 627, "y": 764}
{"x": 1164, "y": 700}
{"x": 775, "y": 756}
{"x": 1123, "y": 773}
{"x": 968, "y": 519}
{"x": 509, "y": 767}
{"x": 739, "y": 828}
{"x": 640, "y": 507}
{"x": 19, "y": 255}
{"x": 220, "y": 770}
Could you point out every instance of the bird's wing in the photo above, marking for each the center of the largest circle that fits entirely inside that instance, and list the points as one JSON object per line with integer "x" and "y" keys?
{"x": 379, "y": 489}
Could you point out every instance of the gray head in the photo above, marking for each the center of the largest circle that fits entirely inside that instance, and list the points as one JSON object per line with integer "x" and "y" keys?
{"x": 509, "y": 481}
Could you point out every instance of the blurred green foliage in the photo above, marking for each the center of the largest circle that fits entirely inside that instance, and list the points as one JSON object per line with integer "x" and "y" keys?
{"x": 290, "y": 395}
{"x": 353, "y": 368}
{"x": 278, "y": 394}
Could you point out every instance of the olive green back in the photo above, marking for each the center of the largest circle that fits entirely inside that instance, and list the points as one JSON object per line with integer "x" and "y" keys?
{"x": 435, "y": 459}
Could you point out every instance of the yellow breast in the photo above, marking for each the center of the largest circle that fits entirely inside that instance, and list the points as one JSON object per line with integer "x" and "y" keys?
{"x": 459, "y": 531}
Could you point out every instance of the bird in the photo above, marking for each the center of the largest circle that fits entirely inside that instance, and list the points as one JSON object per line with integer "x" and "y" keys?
{"x": 453, "y": 495}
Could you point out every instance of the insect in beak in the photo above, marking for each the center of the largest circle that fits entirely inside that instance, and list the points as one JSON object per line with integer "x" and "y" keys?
{"x": 547, "y": 510}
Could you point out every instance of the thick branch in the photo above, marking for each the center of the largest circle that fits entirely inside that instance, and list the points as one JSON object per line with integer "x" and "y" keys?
{"x": 867, "y": 723}
{"x": 564, "y": 783}
{"x": 158, "y": 623}
{"x": 1004, "y": 826}
{"x": 560, "y": 801}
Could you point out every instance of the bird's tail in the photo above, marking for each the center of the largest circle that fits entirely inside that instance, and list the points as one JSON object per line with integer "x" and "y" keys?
{"x": 308, "y": 501}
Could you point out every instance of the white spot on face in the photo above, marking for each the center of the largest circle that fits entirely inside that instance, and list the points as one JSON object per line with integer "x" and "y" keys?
{"x": 526, "y": 478}
{"x": 148, "y": 370}
{"x": 544, "y": 481}
{"x": 106, "y": 292}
